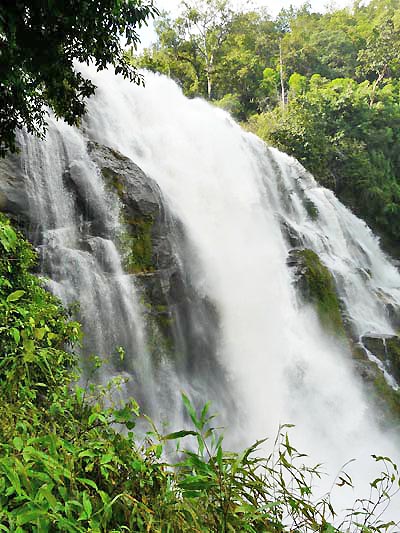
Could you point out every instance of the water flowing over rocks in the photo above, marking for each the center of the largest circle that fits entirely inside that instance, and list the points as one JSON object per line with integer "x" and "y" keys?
{"x": 147, "y": 227}
{"x": 217, "y": 264}
{"x": 387, "y": 349}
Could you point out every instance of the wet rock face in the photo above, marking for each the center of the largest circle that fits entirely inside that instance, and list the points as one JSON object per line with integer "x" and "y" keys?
{"x": 387, "y": 349}
{"x": 290, "y": 234}
{"x": 145, "y": 246}
{"x": 316, "y": 285}
{"x": 139, "y": 195}
{"x": 13, "y": 196}
{"x": 142, "y": 207}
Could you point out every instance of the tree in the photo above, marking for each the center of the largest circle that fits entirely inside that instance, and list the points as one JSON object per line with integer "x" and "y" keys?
{"x": 249, "y": 47}
{"x": 174, "y": 55}
{"x": 39, "y": 42}
{"x": 206, "y": 24}
{"x": 381, "y": 57}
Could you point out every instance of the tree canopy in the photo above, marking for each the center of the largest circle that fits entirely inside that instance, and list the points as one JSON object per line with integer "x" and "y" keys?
{"x": 39, "y": 42}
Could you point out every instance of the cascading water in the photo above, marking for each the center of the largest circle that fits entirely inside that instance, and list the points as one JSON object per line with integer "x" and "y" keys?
{"x": 242, "y": 339}
{"x": 230, "y": 193}
{"x": 77, "y": 250}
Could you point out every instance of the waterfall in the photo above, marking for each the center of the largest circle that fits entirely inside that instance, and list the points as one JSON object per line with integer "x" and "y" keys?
{"x": 77, "y": 252}
{"x": 243, "y": 338}
{"x": 230, "y": 192}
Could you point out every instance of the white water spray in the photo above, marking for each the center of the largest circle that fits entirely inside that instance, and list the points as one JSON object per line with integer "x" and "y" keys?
{"x": 231, "y": 193}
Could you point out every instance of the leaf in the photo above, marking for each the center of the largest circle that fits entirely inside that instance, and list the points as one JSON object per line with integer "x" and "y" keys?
{"x": 16, "y": 335}
{"x": 203, "y": 416}
{"x": 12, "y": 477}
{"x": 29, "y": 349}
{"x": 88, "y": 482}
{"x": 14, "y": 296}
{"x": 179, "y": 434}
{"x": 39, "y": 333}
{"x": 196, "y": 483}
{"x": 192, "y": 413}
{"x": 49, "y": 496}
{"x": 29, "y": 516}
{"x": 8, "y": 238}
{"x": 219, "y": 457}
{"x": 87, "y": 504}
{"x": 107, "y": 458}
{"x": 18, "y": 443}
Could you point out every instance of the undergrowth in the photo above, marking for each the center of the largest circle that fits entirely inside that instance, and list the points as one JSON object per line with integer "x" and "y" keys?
{"x": 70, "y": 460}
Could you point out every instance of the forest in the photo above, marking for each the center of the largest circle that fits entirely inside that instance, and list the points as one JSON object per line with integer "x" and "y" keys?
{"x": 322, "y": 87}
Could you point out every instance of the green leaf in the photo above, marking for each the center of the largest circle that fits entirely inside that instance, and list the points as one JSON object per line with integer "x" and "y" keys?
{"x": 8, "y": 238}
{"x": 12, "y": 477}
{"x": 192, "y": 413}
{"x": 18, "y": 443}
{"x": 329, "y": 529}
{"x": 49, "y": 496}
{"x": 16, "y": 335}
{"x": 29, "y": 349}
{"x": 107, "y": 458}
{"x": 29, "y": 516}
{"x": 14, "y": 296}
{"x": 39, "y": 333}
{"x": 219, "y": 457}
{"x": 88, "y": 482}
{"x": 87, "y": 505}
{"x": 196, "y": 483}
{"x": 179, "y": 434}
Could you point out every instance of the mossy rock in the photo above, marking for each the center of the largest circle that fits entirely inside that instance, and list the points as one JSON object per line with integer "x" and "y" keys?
{"x": 384, "y": 397}
{"x": 393, "y": 353}
{"x": 113, "y": 180}
{"x": 317, "y": 286}
{"x": 311, "y": 208}
{"x": 136, "y": 245}
{"x": 387, "y": 399}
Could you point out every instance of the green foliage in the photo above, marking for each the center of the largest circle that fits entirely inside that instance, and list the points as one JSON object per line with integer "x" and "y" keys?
{"x": 213, "y": 52}
{"x": 39, "y": 42}
{"x": 231, "y": 104}
{"x": 34, "y": 329}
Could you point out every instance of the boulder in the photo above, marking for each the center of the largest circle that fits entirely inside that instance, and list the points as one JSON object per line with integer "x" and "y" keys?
{"x": 316, "y": 286}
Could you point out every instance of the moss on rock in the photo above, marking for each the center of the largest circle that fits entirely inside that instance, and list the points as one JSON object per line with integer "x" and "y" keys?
{"x": 136, "y": 245}
{"x": 387, "y": 399}
{"x": 113, "y": 180}
{"x": 318, "y": 287}
{"x": 311, "y": 208}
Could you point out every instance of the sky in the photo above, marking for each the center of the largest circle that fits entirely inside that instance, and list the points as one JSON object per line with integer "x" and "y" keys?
{"x": 147, "y": 34}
